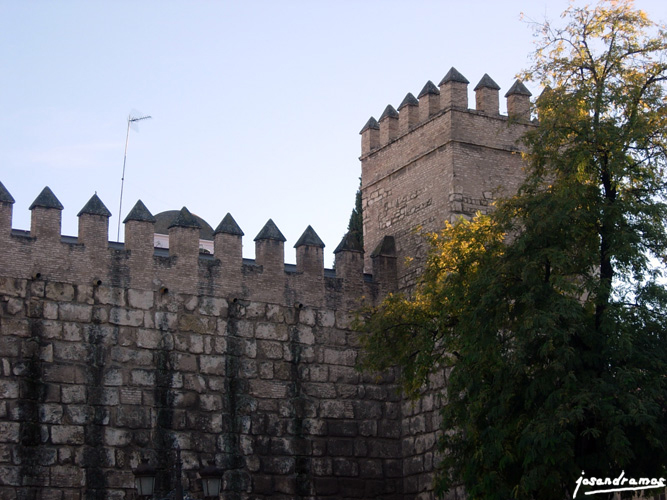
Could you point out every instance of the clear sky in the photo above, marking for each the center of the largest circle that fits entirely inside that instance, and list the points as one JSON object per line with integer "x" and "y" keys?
{"x": 256, "y": 106}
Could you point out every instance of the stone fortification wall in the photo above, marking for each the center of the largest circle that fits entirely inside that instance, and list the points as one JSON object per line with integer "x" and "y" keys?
{"x": 113, "y": 352}
{"x": 435, "y": 160}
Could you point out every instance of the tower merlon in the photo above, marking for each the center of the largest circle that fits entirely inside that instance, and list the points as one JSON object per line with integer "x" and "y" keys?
{"x": 270, "y": 249}
{"x": 370, "y": 136}
{"x": 6, "y": 208}
{"x": 349, "y": 255}
{"x": 429, "y": 101}
{"x": 228, "y": 244}
{"x": 486, "y": 96}
{"x": 46, "y": 216}
{"x": 388, "y": 125}
{"x": 454, "y": 90}
{"x": 518, "y": 101}
{"x": 94, "y": 224}
{"x": 310, "y": 253}
{"x": 139, "y": 230}
{"x": 408, "y": 113}
{"x": 184, "y": 238}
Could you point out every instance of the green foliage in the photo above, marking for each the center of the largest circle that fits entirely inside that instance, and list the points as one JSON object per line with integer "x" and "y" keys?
{"x": 548, "y": 316}
{"x": 356, "y": 225}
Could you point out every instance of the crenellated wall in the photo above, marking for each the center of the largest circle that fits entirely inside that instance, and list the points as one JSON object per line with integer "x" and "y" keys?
{"x": 434, "y": 160}
{"x": 137, "y": 264}
{"x": 114, "y": 352}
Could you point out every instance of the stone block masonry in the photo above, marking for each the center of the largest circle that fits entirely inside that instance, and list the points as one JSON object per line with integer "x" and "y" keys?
{"x": 114, "y": 352}
{"x": 449, "y": 162}
{"x": 95, "y": 378}
{"x": 443, "y": 161}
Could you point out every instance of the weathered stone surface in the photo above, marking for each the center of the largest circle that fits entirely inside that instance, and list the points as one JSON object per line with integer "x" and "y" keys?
{"x": 9, "y": 389}
{"x": 195, "y": 323}
{"x": 304, "y": 334}
{"x": 213, "y": 306}
{"x": 166, "y": 321}
{"x": 149, "y": 339}
{"x": 50, "y": 413}
{"x": 308, "y": 316}
{"x": 14, "y": 306}
{"x": 271, "y": 331}
{"x": 268, "y": 389}
{"x": 255, "y": 310}
{"x": 15, "y": 287}
{"x": 214, "y": 365}
{"x": 142, "y": 377}
{"x": 67, "y": 434}
{"x": 113, "y": 377}
{"x": 269, "y": 349}
{"x": 140, "y": 299}
{"x": 326, "y": 318}
{"x": 135, "y": 356}
{"x": 210, "y": 402}
{"x": 126, "y": 317}
{"x": 73, "y": 393}
{"x": 344, "y": 357}
{"x": 110, "y": 296}
{"x": 9, "y": 432}
{"x": 133, "y": 417}
{"x": 59, "y": 291}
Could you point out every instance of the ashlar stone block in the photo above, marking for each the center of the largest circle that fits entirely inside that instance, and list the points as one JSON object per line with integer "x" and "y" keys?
{"x": 67, "y": 434}
{"x": 140, "y": 299}
{"x": 126, "y": 317}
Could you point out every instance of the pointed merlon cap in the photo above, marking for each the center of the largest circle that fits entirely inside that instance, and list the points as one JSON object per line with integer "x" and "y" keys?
{"x": 487, "y": 83}
{"x": 5, "y": 197}
{"x": 46, "y": 199}
{"x": 370, "y": 124}
{"x": 429, "y": 88}
{"x": 185, "y": 219}
{"x": 389, "y": 112}
{"x": 386, "y": 248}
{"x": 518, "y": 88}
{"x": 409, "y": 100}
{"x": 350, "y": 243}
{"x": 309, "y": 238}
{"x": 139, "y": 213}
{"x": 453, "y": 76}
{"x": 95, "y": 207}
{"x": 228, "y": 226}
{"x": 270, "y": 232}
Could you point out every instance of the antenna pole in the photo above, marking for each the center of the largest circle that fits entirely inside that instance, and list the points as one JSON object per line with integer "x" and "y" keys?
{"x": 130, "y": 120}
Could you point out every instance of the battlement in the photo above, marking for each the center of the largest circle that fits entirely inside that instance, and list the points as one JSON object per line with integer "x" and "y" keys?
{"x": 113, "y": 352}
{"x": 451, "y": 94}
{"x": 433, "y": 159}
{"x": 91, "y": 258}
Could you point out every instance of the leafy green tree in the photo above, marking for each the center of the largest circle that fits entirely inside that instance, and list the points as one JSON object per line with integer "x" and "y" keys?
{"x": 549, "y": 316}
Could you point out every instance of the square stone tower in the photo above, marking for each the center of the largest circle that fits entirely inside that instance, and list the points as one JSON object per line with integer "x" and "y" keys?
{"x": 434, "y": 160}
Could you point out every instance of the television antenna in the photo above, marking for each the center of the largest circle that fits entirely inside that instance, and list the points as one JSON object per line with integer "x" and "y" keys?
{"x": 131, "y": 120}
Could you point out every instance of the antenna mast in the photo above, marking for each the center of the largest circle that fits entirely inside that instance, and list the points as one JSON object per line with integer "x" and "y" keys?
{"x": 130, "y": 120}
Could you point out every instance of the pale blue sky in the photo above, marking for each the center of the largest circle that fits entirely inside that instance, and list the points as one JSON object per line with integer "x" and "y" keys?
{"x": 256, "y": 105}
